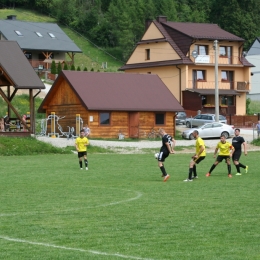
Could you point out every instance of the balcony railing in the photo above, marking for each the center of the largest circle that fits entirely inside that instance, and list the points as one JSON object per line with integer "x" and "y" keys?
{"x": 222, "y": 60}
{"x": 243, "y": 86}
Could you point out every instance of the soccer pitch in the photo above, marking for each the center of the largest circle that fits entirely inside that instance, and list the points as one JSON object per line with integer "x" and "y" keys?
{"x": 121, "y": 209}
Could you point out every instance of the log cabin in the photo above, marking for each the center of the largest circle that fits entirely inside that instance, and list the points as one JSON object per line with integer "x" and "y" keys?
{"x": 112, "y": 103}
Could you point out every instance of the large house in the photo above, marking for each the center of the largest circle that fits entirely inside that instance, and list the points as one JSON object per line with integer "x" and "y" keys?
{"x": 183, "y": 56}
{"x": 112, "y": 103}
{"x": 40, "y": 42}
{"x": 253, "y": 56}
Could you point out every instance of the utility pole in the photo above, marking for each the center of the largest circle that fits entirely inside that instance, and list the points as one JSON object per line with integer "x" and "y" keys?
{"x": 216, "y": 82}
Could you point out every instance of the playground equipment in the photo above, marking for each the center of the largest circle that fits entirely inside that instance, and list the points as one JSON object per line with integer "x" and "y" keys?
{"x": 54, "y": 122}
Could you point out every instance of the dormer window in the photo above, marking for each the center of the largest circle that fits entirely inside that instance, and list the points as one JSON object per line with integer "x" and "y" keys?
{"x": 52, "y": 35}
{"x": 18, "y": 33}
{"x": 39, "y": 34}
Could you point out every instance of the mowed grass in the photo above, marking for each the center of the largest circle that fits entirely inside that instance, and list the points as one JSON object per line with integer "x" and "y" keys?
{"x": 121, "y": 209}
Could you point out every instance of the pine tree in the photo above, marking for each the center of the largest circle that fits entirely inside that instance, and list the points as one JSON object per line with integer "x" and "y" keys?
{"x": 92, "y": 69}
{"x": 65, "y": 67}
{"x": 78, "y": 68}
{"x": 72, "y": 67}
{"x": 53, "y": 68}
{"x": 59, "y": 68}
{"x": 85, "y": 69}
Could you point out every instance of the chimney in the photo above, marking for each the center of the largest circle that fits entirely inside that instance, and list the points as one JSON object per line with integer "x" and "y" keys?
{"x": 147, "y": 23}
{"x": 161, "y": 19}
{"x": 11, "y": 17}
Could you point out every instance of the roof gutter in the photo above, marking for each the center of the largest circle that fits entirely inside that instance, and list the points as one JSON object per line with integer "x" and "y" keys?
{"x": 179, "y": 84}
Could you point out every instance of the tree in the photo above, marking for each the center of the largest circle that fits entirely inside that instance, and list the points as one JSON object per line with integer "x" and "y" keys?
{"x": 78, "y": 68}
{"x": 72, "y": 67}
{"x": 59, "y": 69}
{"x": 53, "y": 67}
{"x": 65, "y": 67}
{"x": 85, "y": 69}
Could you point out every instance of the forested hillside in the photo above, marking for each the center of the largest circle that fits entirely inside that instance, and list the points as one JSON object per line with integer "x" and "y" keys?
{"x": 117, "y": 25}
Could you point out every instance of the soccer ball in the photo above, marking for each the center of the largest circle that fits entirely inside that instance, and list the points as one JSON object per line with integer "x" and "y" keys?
{"x": 156, "y": 155}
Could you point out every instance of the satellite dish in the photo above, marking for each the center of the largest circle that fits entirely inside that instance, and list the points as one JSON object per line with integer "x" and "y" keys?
{"x": 194, "y": 54}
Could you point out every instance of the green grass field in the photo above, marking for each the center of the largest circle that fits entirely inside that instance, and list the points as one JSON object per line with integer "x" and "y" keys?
{"x": 121, "y": 209}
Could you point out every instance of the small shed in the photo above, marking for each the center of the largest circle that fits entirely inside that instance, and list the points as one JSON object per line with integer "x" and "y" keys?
{"x": 112, "y": 103}
{"x": 16, "y": 74}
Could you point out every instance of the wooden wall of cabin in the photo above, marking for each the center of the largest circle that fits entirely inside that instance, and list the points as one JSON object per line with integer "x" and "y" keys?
{"x": 119, "y": 121}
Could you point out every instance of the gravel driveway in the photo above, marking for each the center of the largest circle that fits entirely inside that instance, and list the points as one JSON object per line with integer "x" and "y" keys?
{"x": 63, "y": 142}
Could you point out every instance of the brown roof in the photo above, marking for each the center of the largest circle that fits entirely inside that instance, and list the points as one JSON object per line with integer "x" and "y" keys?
{"x": 203, "y": 31}
{"x": 212, "y": 91}
{"x": 154, "y": 64}
{"x": 17, "y": 67}
{"x": 181, "y": 36}
{"x": 119, "y": 91}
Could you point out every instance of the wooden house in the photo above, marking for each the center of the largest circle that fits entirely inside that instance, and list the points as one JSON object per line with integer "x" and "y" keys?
{"x": 16, "y": 74}
{"x": 112, "y": 103}
{"x": 40, "y": 42}
{"x": 183, "y": 56}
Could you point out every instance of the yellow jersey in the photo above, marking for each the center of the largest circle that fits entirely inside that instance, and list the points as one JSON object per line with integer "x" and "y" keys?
{"x": 199, "y": 143}
{"x": 224, "y": 149}
{"x": 80, "y": 142}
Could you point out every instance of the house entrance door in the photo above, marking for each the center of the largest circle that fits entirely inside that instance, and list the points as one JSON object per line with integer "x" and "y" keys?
{"x": 133, "y": 124}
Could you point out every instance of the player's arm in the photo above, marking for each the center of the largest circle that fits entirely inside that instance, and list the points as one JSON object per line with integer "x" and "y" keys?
{"x": 173, "y": 143}
{"x": 216, "y": 150}
{"x": 232, "y": 150}
{"x": 245, "y": 151}
{"x": 87, "y": 143}
{"x": 202, "y": 148}
{"x": 169, "y": 147}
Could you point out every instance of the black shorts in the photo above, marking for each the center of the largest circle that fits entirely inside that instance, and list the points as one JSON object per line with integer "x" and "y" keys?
{"x": 81, "y": 154}
{"x": 162, "y": 156}
{"x": 201, "y": 158}
{"x": 220, "y": 158}
{"x": 236, "y": 155}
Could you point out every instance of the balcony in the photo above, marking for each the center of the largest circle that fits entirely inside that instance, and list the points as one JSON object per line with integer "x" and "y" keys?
{"x": 222, "y": 60}
{"x": 241, "y": 86}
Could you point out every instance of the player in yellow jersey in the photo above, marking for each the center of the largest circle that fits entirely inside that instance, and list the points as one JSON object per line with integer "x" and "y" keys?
{"x": 226, "y": 151}
{"x": 81, "y": 146}
{"x": 198, "y": 157}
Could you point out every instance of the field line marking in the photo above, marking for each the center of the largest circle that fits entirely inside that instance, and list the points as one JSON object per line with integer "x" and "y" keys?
{"x": 71, "y": 248}
{"x": 139, "y": 195}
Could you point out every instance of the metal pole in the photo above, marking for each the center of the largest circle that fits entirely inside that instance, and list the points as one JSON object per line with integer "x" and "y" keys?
{"x": 216, "y": 82}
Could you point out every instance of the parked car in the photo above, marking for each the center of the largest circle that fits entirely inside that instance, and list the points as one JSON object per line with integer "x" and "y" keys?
{"x": 180, "y": 118}
{"x": 210, "y": 130}
{"x": 203, "y": 119}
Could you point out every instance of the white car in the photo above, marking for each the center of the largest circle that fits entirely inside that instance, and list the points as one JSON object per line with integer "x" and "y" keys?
{"x": 210, "y": 130}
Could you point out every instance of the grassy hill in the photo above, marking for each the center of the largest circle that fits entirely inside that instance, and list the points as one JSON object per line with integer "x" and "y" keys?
{"x": 92, "y": 56}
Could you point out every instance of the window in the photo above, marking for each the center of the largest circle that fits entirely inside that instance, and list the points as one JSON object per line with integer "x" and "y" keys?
{"x": 159, "y": 118}
{"x": 39, "y": 34}
{"x": 200, "y": 75}
{"x": 225, "y": 51}
{"x": 147, "y": 54}
{"x": 18, "y": 33}
{"x": 52, "y": 35}
{"x": 226, "y": 75}
{"x": 104, "y": 118}
{"x": 201, "y": 49}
